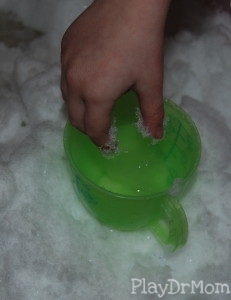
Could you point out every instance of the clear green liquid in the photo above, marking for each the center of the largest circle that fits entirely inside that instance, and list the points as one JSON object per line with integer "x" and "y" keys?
{"x": 134, "y": 177}
{"x": 138, "y": 169}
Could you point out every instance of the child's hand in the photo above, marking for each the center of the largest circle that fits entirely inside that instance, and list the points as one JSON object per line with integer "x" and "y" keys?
{"x": 113, "y": 46}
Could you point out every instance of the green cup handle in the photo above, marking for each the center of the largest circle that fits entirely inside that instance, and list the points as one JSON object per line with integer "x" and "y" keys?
{"x": 171, "y": 229}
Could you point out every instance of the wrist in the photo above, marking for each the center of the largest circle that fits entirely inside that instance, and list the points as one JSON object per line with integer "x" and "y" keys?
{"x": 145, "y": 12}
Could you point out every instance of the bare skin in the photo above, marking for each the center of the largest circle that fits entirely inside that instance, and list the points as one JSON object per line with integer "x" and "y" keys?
{"x": 114, "y": 46}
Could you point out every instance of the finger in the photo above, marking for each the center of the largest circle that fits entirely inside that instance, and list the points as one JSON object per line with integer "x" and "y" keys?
{"x": 152, "y": 110}
{"x": 150, "y": 91}
{"x": 97, "y": 122}
{"x": 75, "y": 104}
{"x": 63, "y": 87}
{"x": 76, "y": 111}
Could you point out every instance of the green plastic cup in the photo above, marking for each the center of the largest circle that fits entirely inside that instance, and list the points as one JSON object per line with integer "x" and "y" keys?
{"x": 140, "y": 185}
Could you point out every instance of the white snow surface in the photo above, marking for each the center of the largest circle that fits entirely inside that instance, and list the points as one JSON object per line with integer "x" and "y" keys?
{"x": 50, "y": 247}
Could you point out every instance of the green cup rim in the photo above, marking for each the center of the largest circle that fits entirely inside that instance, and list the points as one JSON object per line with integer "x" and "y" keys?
{"x": 133, "y": 197}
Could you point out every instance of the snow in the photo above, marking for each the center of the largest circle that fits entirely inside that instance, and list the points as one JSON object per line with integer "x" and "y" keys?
{"x": 50, "y": 247}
